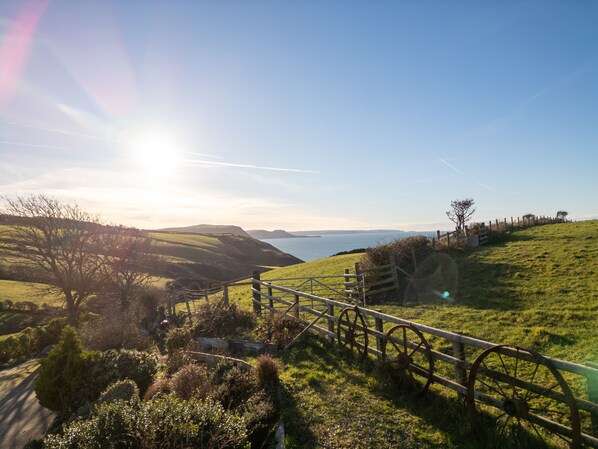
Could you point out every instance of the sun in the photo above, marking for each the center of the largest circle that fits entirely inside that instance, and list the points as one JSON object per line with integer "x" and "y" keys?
{"x": 154, "y": 150}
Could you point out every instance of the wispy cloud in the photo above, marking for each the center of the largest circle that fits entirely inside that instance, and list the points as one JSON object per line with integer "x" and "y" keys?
{"x": 452, "y": 167}
{"x": 250, "y": 166}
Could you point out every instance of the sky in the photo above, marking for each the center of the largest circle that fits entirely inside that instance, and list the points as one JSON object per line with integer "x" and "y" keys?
{"x": 301, "y": 114}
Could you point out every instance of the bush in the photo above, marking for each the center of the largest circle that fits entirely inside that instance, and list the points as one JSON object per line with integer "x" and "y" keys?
{"x": 104, "y": 368}
{"x": 281, "y": 330}
{"x": 179, "y": 337}
{"x": 403, "y": 251}
{"x": 190, "y": 381}
{"x": 31, "y": 340}
{"x": 61, "y": 374}
{"x": 260, "y": 417}
{"x": 217, "y": 319}
{"x": 114, "y": 331}
{"x": 164, "y": 422}
{"x": 160, "y": 386}
{"x": 232, "y": 385}
{"x": 124, "y": 390}
{"x": 266, "y": 371}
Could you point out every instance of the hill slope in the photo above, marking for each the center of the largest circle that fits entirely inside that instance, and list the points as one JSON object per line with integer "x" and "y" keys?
{"x": 534, "y": 287}
{"x": 208, "y": 229}
{"x": 216, "y": 257}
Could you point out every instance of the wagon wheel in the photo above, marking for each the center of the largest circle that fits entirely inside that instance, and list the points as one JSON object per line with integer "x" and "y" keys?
{"x": 541, "y": 414}
{"x": 409, "y": 362}
{"x": 352, "y": 332}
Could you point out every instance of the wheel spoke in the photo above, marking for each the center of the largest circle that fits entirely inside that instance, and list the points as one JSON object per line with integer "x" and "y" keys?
{"x": 491, "y": 387}
{"x": 416, "y": 348}
{"x": 505, "y": 367}
{"x": 494, "y": 380}
{"x": 543, "y": 393}
{"x": 503, "y": 428}
{"x": 405, "y": 339}
{"x": 515, "y": 374}
{"x": 396, "y": 347}
{"x": 532, "y": 381}
{"x": 537, "y": 432}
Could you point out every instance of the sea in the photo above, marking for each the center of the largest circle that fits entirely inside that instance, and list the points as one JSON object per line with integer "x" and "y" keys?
{"x": 327, "y": 245}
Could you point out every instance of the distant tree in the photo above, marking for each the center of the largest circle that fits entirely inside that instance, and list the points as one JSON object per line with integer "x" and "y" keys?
{"x": 130, "y": 255}
{"x": 61, "y": 240}
{"x": 562, "y": 215}
{"x": 528, "y": 217}
{"x": 461, "y": 212}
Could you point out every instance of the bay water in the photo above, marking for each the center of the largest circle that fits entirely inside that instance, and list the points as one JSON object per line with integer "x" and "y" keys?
{"x": 327, "y": 245}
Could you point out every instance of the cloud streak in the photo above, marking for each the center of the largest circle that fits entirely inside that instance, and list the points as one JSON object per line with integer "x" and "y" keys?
{"x": 250, "y": 166}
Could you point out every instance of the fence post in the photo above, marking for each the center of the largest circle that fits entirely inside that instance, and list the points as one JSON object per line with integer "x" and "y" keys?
{"x": 448, "y": 241}
{"x": 505, "y": 223}
{"x": 438, "y": 235}
{"x": 224, "y": 293}
{"x": 511, "y": 222}
{"x": 270, "y": 300}
{"x": 360, "y": 284}
{"x": 394, "y": 274}
{"x": 414, "y": 258}
{"x": 592, "y": 387}
{"x": 257, "y": 298}
{"x": 460, "y": 372}
{"x": 433, "y": 244}
{"x": 497, "y": 226}
{"x": 330, "y": 322}
{"x": 518, "y": 222}
{"x": 490, "y": 227}
{"x": 347, "y": 278}
{"x": 296, "y": 306}
{"x": 188, "y": 306}
{"x": 379, "y": 325}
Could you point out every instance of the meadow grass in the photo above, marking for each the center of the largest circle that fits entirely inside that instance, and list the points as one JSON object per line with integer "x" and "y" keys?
{"x": 18, "y": 291}
{"x": 533, "y": 287}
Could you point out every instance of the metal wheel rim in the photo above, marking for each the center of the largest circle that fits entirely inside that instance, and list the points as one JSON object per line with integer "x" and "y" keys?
{"x": 351, "y": 325}
{"x": 423, "y": 342}
{"x": 538, "y": 359}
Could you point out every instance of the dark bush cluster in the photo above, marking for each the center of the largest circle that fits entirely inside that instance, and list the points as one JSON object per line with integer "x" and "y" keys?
{"x": 280, "y": 330}
{"x": 236, "y": 388}
{"x": 72, "y": 376}
{"x": 217, "y": 319}
{"x": 31, "y": 340}
{"x": 162, "y": 422}
{"x": 403, "y": 251}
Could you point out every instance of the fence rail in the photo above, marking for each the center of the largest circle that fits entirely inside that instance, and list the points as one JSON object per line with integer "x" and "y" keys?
{"x": 305, "y": 307}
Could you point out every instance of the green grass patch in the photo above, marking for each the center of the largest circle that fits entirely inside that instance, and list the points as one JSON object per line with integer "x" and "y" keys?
{"x": 17, "y": 291}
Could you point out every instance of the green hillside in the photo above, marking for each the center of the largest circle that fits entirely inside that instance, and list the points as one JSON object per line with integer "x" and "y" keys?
{"x": 216, "y": 257}
{"x": 533, "y": 287}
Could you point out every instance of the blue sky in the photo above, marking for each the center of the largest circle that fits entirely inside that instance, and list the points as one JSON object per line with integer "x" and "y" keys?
{"x": 303, "y": 114}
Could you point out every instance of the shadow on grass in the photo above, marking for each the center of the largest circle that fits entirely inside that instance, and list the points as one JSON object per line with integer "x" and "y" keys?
{"x": 440, "y": 407}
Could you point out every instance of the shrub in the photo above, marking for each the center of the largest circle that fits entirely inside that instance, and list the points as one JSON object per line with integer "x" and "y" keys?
{"x": 159, "y": 386}
{"x": 124, "y": 390}
{"x": 281, "y": 329}
{"x": 232, "y": 385}
{"x": 266, "y": 371}
{"x": 217, "y": 319}
{"x": 115, "y": 331}
{"x": 190, "y": 381}
{"x": 164, "y": 422}
{"x": 104, "y": 368}
{"x": 260, "y": 417}
{"x": 61, "y": 374}
{"x": 178, "y": 337}
{"x": 403, "y": 251}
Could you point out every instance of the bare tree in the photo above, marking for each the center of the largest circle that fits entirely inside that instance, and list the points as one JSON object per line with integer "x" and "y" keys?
{"x": 60, "y": 240}
{"x": 130, "y": 256}
{"x": 461, "y": 212}
{"x": 562, "y": 215}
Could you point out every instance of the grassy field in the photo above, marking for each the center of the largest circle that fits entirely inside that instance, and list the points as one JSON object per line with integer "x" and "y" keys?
{"x": 16, "y": 291}
{"x": 534, "y": 287}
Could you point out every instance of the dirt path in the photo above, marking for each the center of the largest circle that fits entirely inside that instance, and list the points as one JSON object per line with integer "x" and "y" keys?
{"x": 21, "y": 417}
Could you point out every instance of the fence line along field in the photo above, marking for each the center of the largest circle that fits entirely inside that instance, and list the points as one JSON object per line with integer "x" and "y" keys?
{"x": 534, "y": 288}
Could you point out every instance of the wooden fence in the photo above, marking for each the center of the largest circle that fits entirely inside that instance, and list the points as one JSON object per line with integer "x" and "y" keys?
{"x": 458, "y": 237}
{"x": 448, "y": 360}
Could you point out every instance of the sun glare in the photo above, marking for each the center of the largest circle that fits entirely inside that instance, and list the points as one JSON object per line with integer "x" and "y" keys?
{"x": 154, "y": 151}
